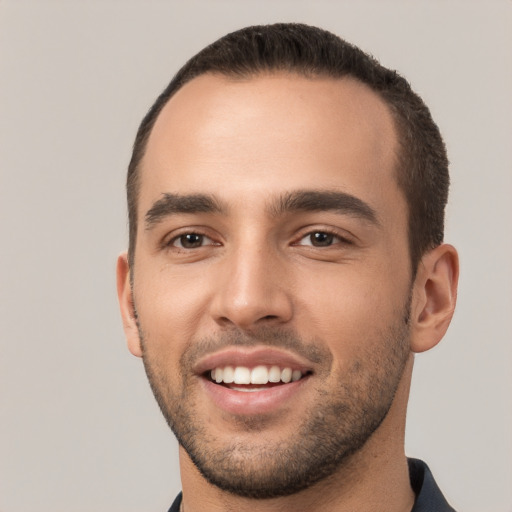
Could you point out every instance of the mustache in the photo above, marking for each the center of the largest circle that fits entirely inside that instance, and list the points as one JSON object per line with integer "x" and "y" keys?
{"x": 288, "y": 339}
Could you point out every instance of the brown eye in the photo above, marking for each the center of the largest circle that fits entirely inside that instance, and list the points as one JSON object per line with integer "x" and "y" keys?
{"x": 321, "y": 239}
{"x": 190, "y": 241}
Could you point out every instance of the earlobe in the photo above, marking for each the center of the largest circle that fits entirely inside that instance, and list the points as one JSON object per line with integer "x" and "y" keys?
{"x": 434, "y": 297}
{"x": 124, "y": 294}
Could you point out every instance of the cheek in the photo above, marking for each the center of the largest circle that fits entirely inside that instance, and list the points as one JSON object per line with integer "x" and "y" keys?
{"x": 170, "y": 305}
{"x": 350, "y": 311}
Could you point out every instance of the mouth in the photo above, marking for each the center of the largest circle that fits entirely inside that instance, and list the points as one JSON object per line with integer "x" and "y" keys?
{"x": 253, "y": 382}
{"x": 258, "y": 378}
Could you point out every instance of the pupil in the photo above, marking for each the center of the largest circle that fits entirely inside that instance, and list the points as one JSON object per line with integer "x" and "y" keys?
{"x": 191, "y": 240}
{"x": 321, "y": 238}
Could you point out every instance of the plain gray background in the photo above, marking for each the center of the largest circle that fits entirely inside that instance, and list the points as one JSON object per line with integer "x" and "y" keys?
{"x": 79, "y": 428}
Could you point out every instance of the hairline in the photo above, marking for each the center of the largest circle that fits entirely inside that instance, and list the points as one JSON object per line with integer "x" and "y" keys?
{"x": 400, "y": 156}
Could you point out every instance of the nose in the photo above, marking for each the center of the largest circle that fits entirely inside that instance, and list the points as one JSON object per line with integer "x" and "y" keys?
{"x": 252, "y": 290}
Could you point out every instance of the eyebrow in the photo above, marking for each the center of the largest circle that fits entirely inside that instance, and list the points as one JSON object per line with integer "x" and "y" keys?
{"x": 170, "y": 204}
{"x": 320, "y": 200}
{"x": 297, "y": 201}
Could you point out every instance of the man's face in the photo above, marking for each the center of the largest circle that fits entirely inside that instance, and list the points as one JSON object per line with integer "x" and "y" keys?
{"x": 272, "y": 241}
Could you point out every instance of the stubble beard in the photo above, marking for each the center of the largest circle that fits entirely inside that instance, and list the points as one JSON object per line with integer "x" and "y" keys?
{"x": 337, "y": 426}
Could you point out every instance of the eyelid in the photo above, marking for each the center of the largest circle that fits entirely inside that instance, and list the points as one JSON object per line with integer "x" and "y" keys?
{"x": 343, "y": 236}
{"x": 168, "y": 241}
{"x": 178, "y": 238}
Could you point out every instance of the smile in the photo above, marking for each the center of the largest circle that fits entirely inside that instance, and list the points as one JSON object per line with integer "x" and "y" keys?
{"x": 253, "y": 381}
{"x": 261, "y": 375}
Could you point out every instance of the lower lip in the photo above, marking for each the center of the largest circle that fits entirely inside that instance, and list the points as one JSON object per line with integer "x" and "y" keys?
{"x": 252, "y": 402}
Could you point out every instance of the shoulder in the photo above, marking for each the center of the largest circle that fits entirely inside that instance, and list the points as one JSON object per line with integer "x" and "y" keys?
{"x": 429, "y": 497}
{"x": 175, "y": 507}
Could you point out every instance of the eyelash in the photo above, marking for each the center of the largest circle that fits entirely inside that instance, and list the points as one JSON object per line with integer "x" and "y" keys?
{"x": 333, "y": 238}
{"x": 172, "y": 242}
{"x": 338, "y": 239}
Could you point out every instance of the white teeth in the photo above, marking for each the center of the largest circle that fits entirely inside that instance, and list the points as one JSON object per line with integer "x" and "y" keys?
{"x": 229, "y": 374}
{"x": 286, "y": 375}
{"x": 247, "y": 390}
{"x": 242, "y": 375}
{"x": 258, "y": 375}
{"x": 274, "y": 375}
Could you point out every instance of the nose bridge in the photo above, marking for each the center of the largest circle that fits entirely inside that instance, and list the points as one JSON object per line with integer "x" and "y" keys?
{"x": 253, "y": 287}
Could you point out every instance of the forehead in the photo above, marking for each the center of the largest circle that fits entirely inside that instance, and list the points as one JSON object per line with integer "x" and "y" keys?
{"x": 270, "y": 133}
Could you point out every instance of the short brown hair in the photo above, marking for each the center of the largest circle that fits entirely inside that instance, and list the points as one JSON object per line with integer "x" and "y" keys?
{"x": 422, "y": 171}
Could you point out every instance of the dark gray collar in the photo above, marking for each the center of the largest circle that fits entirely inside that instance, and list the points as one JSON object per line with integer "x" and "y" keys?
{"x": 429, "y": 497}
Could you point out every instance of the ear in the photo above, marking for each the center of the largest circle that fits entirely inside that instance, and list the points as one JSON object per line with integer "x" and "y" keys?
{"x": 434, "y": 297}
{"x": 124, "y": 294}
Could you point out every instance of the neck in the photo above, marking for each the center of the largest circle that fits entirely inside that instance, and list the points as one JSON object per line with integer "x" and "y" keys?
{"x": 375, "y": 478}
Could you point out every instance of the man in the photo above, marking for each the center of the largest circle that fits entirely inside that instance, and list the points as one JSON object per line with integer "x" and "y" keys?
{"x": 286, "y": 201}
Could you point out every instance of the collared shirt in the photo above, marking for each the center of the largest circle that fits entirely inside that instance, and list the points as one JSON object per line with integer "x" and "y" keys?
{"x": 429, "y": 497}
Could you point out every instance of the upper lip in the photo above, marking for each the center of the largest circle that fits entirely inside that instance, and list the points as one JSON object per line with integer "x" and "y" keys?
{"x": 251, "y": 357}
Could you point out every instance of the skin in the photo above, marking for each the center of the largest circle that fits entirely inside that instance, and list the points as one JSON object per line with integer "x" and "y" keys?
{"x": 248, "y": 143}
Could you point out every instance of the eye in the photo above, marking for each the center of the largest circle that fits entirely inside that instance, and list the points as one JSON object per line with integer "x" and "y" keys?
{"x": 191, "y": 241}
{"x": 321, "y": 239}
